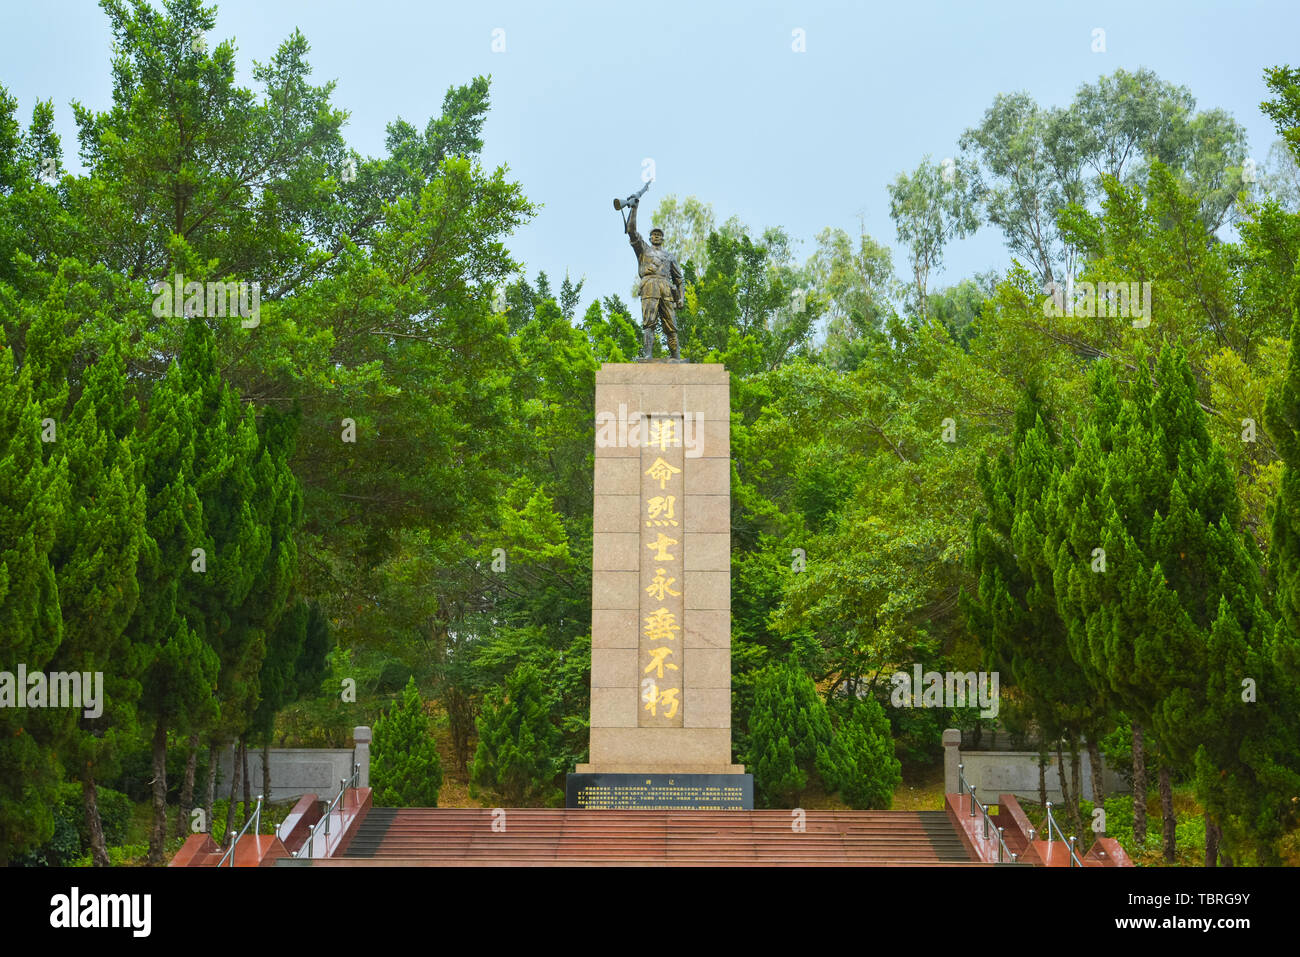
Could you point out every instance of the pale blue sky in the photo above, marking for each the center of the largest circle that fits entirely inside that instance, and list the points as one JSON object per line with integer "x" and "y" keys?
{"x": 711, "y": 91}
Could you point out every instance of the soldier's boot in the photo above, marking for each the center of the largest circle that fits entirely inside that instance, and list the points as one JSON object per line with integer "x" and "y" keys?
{"x": 647, "y": 343}
{"x": 672, "y": 346}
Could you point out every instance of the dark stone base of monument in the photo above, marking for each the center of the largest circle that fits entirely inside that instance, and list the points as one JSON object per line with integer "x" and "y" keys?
{"x": 660, "y": 792}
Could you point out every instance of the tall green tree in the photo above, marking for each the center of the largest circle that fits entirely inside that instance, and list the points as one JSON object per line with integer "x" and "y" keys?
{"x": 930, "y": 207}
{"x": 1152, "y": 559}
{"x": 180, "y": 681}
{"x": 33, "y": 497}
{"x": 95, "y": 560}
{"x": 1279, "y": 664}
{"x": 1012, "y": 611}
{"x": 234, "y": 549}
{"x": 857, "y": 284}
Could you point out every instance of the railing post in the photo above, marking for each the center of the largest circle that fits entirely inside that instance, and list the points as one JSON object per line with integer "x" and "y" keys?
{"x": 973, "y": 802}
{"x": 234, "y": 839}
{"x": 951, "y": 760}
{"x": 1031, "y": 835}
{"x": 986, "y": 823}
{"x": 361, "y": 750}
{"x": 1072, "y": 858}
{"x": 1049, "y": 822}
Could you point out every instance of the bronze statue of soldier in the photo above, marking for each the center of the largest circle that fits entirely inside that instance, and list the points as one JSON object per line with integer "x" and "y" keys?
{"x": 662, "y": 289}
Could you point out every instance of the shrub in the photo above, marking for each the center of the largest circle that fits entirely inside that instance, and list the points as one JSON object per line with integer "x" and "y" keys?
{"x": 518, "y": 742}
{"x": 405, "y": 769}
{"x": 860, "y": 762}
{"x": 787, "y": 726}
{"x": 71, "y": 838}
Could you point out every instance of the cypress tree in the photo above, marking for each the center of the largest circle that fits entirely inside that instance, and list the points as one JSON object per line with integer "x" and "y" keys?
{"x": 860, "y": 763}
{"x": 1076, "y": 509}
{"x": 519, "y": 744}
{"x": 236, "y": 545}
{"x": 405, "y": 769}
{"x": 1013, "y": 611}
{"x": 181, "y": 676}
{"x": 33, "y": 494}
{"x": 1269, "y": 802}
{"x": 277, "y": 515}
{"x": 295, "y": 665}
{"x": 788, "y": 726}
{"x": 95, "y": 560}
{"x": 1177, "y": 567}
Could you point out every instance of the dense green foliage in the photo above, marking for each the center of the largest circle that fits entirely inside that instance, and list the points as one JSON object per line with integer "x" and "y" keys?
{"x": 518, "y": 740}
{"x": 262, "y": 530}
{"x": 793, "y": 742}
{"x": 405, "y": 770}
{"x": 788, "y": 728}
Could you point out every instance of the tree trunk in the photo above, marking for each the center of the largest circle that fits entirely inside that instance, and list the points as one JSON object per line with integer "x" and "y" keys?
{"x": 1076, "y": 772}
{"x": 1139, "y": 788}
{"x": 1042, "y": 779}
{"x": 187, "y": 788}
{"x": 266, "y": 766}
{"x": 1212, "y": 835}
{"x": 1060, "y": 775}
{"x": 94, "y": 826}
{"x": 248, "y": 783}
{"x": 1098, "y": 774}
{"x": 1069, "y": 801}
{"x": 210, "y": 793}
{"x": 1167, "y": 813}
{"x": 158, "y": 833}
{"x": 234, "y": 795}
{"x": 460, "y": 720}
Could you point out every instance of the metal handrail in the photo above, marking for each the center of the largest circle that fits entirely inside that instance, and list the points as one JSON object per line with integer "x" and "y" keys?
{"x": 344, "y": 784}
{"x": 256, "y": 821}
{"x": 1051, "y": 823}
{"x": 965, "y": 788}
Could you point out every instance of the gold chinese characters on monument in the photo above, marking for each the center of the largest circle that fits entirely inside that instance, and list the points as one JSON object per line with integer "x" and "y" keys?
{"x": 662, "y": 544}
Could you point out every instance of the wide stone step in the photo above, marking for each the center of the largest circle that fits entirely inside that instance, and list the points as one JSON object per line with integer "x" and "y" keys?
{"x": 548, "y": 836}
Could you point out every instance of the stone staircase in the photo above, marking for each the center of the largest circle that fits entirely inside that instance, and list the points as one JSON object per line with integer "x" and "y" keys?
{"x": 542, "y": 837}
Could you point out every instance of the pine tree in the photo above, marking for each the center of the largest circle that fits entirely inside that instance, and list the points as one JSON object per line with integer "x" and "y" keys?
{"x": 33, "y": 495}
{"x": 95, "y": 560}
{"x": 236, "y": 545}
{"x": 518, "y": 741}
{"x": 788, "y": 724}
{"x": 405, "y": 770}
{"x": 1268, "y": 807}
{"x": 1076, "y": 509}
{"x": 1162, "y": 505}
{"x": 860, "y": 763}
{"x": 180, "y": 680}
{"x": 277, "y": 511}
{"x": 295, "y": 665}
{"x": 1013, "y": 612}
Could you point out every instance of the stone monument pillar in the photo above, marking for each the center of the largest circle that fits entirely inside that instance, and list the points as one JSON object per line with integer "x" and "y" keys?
{"x": 661, "y": 593}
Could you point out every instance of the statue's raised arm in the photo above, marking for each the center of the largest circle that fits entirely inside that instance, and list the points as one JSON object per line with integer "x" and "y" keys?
{"x": 662, "y": 287}
{"x": 638, "y": 244}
